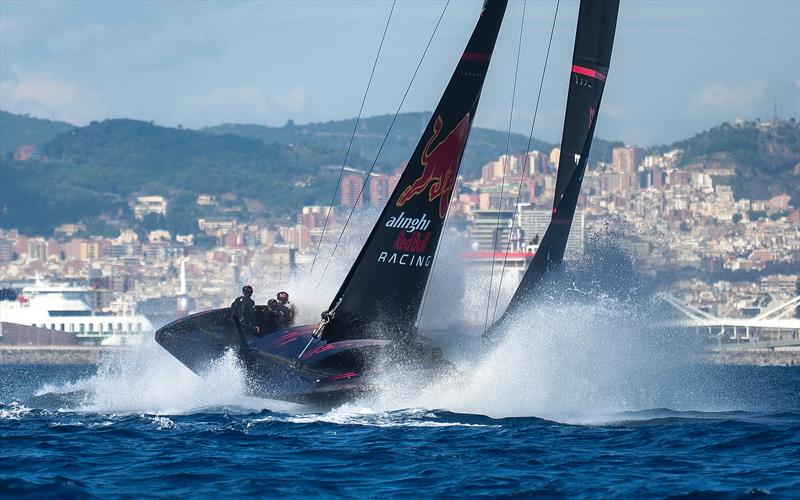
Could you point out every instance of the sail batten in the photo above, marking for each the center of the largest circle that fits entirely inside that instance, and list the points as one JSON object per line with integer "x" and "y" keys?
{"x": 591, "y": 59}
{"x": 382, "y": 293}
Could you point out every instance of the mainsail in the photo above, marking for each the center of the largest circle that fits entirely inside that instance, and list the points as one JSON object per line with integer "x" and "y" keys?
{"x": 594, "y": 39}
{"x": 382, "y": 293}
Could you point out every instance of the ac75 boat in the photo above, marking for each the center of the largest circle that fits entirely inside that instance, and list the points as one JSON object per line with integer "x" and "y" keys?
{"x": 370, "y": 324}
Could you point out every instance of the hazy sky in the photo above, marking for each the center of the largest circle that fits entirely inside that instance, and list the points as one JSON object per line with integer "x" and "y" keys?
{"x": 678, "y": 66}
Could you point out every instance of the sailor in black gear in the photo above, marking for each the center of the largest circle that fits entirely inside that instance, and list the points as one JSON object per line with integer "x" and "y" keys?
{"x": 272, "y": 316}
{"x": 287, "y": 310}
{"x": 243, "y": 311}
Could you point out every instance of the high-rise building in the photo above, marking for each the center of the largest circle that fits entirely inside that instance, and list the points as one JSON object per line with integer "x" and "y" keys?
{"x": 555, "y": 156}
{"x": 6, "y": 251}
{"x": 534, "y": 224}
{"x": 485, "y": 232}
{"x": 381, "y": 187}
{"x": 537, "y": 163}
{"x": 351, "y": 187}
{"x": 627, "y": 159}
{"x": 37, "y": 249}
{"x": 314, "y": 216}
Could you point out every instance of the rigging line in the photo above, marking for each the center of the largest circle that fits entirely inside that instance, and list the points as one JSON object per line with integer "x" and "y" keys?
{"x": 528, "y": 147}
{"x": 383, "y": 143}
{"x": 352, "y": 136}
{"x": 503, "y": 178}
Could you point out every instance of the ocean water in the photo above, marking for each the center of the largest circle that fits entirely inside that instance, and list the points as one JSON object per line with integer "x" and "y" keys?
{"x": 511, "y": 424}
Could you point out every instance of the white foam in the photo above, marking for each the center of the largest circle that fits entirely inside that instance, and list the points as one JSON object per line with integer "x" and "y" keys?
{"x": 13, "y": 411}
{"x": 147, "y": 380}
{"x": 571, "y": 363}
{"x": 352, "y": 414}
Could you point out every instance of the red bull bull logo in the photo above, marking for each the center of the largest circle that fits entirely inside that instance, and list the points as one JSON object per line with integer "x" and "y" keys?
{"x": 440, "y": 166}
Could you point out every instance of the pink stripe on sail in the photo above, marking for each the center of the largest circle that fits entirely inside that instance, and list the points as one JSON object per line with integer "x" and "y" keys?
{"x": 588, "y": 72}
{"x": 475, "y": 56}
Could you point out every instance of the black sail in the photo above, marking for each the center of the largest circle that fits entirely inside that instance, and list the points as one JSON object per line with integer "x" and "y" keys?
{"x": 382, "y": 293}
{"x": 597, "y": 22}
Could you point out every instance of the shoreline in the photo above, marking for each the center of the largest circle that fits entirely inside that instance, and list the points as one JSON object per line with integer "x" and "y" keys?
{"x": 92, "y": 355}
{"x": 54, "y": 355}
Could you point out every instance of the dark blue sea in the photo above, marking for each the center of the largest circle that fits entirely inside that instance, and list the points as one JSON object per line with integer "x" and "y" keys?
{"x": 142, "y": 425}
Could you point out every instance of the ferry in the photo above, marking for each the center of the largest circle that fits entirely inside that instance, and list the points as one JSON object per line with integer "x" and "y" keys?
{"x": 67, "y": 309}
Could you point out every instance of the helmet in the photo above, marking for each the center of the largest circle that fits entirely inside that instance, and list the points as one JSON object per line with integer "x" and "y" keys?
{"x": 272, "y": 303}
{"x": 247, "y": 290}
{"x": 283, "y": 297}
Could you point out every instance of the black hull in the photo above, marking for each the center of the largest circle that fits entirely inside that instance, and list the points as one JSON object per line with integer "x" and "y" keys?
{"x": 324, "y": 374}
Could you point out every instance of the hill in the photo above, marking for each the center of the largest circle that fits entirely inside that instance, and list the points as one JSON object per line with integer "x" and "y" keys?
{"x": 17, "y": 130}
{"x": 94, "y": 171}
{"x": 484, "y": 144}
{"x": 766, "y": 155}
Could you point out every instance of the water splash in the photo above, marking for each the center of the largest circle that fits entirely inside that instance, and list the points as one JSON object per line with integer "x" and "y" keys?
{"x": 146, "y": 379}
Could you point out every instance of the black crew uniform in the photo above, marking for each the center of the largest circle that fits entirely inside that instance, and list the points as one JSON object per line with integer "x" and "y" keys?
{"x": 243, "y": 310}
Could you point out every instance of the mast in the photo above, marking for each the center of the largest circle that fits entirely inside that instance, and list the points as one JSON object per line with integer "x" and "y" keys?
{"x": 382, "y": 293}
{"x": 591, "y": 58}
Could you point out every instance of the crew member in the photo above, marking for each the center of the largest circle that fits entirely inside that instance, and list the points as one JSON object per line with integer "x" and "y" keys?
{"x": 287, "y": 309}
{"x": 243, "y": 310}
{"x": 272, "y": 316}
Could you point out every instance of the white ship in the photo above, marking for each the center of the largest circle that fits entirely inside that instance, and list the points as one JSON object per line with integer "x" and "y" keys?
{"x": 67, "y": 309}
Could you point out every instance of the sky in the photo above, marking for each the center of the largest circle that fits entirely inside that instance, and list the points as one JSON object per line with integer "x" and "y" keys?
{"x": 678, "y": 67}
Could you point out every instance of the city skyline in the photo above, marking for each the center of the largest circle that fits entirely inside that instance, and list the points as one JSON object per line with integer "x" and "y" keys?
{"x": 202, "y": 64}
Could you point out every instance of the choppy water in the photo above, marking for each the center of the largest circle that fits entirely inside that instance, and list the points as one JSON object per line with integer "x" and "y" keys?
{"x": 143, "y": 425}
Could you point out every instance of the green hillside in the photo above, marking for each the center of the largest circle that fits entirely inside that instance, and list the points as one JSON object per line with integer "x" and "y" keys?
{"x": 95, "y": 170}
{"x": 766, "y": 156}
{"x": 17, "y": 130}
{"x": 92, "y": 173}
{"x": 484, "y": 145}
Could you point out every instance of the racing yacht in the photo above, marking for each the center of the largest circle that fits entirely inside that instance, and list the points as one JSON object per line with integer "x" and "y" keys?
{"x": 369, "y": 327}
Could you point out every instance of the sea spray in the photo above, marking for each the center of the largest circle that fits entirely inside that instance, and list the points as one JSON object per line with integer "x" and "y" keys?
{"x": 146, "y": 379}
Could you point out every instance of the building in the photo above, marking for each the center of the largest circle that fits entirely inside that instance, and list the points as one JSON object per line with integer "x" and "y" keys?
{"x": 627, "y": 159}
{"x": 206, "y": 200}
{"x": 555, "y": 156}
{"x": 314, "y": 215}
{"x": 6, "y": 251}
{"x": 485, "y": 231}
{"x": 537, "y": 163}
{"x": 351, "y": 189}
{"x": 149, "y": 205}
{"x": 37, "y": 249}
{"x": 534, "y": 224}
{"x": 216, "y": 226}
{"x": 381, "y": 187}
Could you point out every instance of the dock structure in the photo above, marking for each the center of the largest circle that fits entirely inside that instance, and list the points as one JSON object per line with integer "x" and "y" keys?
{"x": 772, "y": 328}
{"x": 770, "y": 338}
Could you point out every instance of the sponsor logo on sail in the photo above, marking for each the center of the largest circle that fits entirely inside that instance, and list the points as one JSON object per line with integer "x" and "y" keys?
{"x": 439, "y": 165}
{"x": 405, "y": 259}
{"x": 414, "y": 243}
{"x": 409, "y": 224}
